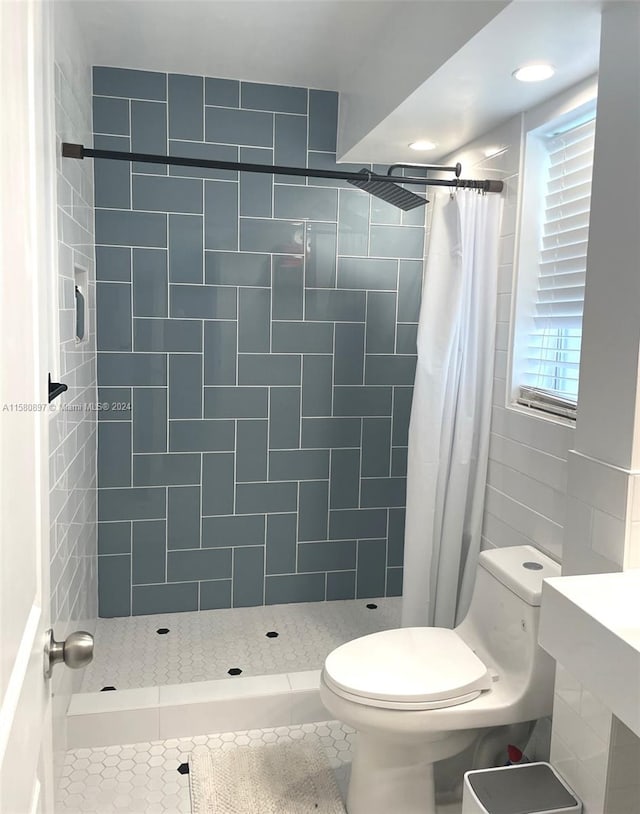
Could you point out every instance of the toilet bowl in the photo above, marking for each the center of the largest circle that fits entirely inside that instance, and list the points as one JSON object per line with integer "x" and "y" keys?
{"x": 419, "y": 695}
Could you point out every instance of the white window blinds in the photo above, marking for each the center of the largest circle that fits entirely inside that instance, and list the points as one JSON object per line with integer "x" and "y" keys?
{"x": 553, "y": 354}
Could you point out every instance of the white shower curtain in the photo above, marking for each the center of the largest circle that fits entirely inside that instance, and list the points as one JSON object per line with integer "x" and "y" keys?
{"x": 450, "y": 416}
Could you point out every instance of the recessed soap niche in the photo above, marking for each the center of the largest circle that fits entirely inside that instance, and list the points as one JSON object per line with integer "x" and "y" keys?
{"x": 81, "y": 300}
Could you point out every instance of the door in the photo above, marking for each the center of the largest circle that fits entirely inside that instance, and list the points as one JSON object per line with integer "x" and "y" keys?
{"x": 26, "y": 239}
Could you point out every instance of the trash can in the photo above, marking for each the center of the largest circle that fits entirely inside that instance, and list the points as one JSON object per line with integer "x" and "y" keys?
{"x": 529, "y": 788}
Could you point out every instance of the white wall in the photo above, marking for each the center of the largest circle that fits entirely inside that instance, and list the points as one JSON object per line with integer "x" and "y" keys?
{"x": 72, "y": 462}
{"x": 527, "y": 496}
{"x": 597, "y": 753}
{"x": 527, "y": 475}
{"x": 580, "y": 741}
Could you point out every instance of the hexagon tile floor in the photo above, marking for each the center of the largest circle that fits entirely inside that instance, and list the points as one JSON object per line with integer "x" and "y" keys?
{"x": 143, "y": 651}
{"x": 151, "y": 778}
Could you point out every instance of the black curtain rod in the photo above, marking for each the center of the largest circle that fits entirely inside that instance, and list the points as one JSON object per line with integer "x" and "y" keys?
{"x": 79, "y": 151}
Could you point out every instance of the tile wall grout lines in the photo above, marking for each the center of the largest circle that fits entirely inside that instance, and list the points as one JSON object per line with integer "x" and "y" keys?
{"x": 393, "y": 389}
{"x": 266, "y": 527}
{"x": 366, "y": 316}
{"x": 386, "y": 554}
{"x": 338, "y": 255}
{"x": 235, "y": 467}
{"x": 273, "y": 186}
{"x": 361, "y": 477}
{"x": 306, "y": 152}
{"x": 393, "y": 404}
{"x": 248, "y": 353}
{"x": 166, "y": 545}
{"x": 185, "y": 581}
{"x": 298, "y": 527}
{"x": 252, "y": 251}
{"x": 264, "y": 568}
{"x": 131, "y": 435}
{"x": 395, "y": 345}
{"x": 206, "y": 105}
{"x": 304, "y": 366}
{"x": 370, "y": 206}
{"x": 237, "y": 339}
{"x": 238, "y": 203}
{"x": 200, "y": 518}
{"x": 233, "y": 575}
{"x": 305, "y": 243}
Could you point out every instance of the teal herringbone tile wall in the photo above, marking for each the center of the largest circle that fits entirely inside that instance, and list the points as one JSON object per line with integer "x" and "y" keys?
{"x": 256, "y": 354}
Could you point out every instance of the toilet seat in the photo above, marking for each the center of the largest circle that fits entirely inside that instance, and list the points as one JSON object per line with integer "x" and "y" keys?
{"x": 408, "y": 668}
{"x": 407, "y": 706}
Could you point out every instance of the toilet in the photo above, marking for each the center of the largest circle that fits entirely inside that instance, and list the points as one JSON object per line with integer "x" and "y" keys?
{"x": 419, "y": 695}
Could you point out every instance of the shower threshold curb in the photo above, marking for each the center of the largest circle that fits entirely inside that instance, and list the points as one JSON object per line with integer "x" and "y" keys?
{"x": 196, "y": 708}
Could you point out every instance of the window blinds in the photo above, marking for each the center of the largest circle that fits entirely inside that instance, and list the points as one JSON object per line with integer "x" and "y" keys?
{"x": 553, "y": 353}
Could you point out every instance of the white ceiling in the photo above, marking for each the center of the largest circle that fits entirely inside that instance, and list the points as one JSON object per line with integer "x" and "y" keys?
{"x": 309, "y": 43}
{"x": 474, "y": 90}
{"x": 449, "y": 61}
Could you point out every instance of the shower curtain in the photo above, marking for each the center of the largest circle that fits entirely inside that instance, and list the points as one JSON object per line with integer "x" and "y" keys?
{"x": 451, "y": 411}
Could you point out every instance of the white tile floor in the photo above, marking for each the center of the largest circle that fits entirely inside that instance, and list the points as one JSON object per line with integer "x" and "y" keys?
{"x": 143, "y": 778}
{"x": 203, "y": 645}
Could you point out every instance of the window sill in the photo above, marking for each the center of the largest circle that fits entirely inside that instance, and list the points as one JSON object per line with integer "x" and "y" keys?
{"x": 532, "y": 412}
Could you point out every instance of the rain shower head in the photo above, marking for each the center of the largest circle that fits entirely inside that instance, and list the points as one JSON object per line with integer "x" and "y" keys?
{"x": 388, "y": 191}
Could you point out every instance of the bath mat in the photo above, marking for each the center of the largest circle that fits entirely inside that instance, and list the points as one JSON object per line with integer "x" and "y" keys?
{"x": 283, "y": 778}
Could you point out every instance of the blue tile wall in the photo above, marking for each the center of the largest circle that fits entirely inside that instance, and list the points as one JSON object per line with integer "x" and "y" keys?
{"x": 257, "y": 340}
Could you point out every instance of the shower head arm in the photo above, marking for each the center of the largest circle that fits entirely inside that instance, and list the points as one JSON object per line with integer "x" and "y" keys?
{"x": 457, "y": 169}
{"x": 483, "y": 184}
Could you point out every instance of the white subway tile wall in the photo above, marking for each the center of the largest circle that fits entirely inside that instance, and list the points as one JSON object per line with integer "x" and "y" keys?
{"x": 527, "y": 475}
{"x": 580, "y": 741}
{"x": 72, "y": 424}
{"x": 527, "y": 502}
{"x": 623, "y": 780}
{"x": 602, "y": 506}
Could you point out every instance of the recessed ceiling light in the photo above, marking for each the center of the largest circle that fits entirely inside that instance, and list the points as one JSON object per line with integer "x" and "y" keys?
{"x": 534, "y": 73}
{"x": 423, "y": 145}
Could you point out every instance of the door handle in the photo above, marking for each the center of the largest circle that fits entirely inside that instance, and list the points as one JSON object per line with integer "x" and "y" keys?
{"x": 75, "y": 651}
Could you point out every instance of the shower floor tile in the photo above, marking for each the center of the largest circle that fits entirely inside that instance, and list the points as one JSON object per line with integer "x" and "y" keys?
{"x": 150, "y": 778}
{"x": 203, "y": 645}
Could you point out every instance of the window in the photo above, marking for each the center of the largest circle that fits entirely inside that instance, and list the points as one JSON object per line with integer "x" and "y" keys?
{"x": 553, "y": 256}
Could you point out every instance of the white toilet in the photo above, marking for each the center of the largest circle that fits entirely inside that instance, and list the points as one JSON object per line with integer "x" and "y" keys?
{"x": 419, "y": 695}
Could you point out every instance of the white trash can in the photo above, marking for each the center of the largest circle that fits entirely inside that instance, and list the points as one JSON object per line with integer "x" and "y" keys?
{"x": 528, "y": 788}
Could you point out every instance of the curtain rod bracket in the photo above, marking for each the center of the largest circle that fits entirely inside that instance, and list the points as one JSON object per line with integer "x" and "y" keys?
{"x": 72, "y": 150}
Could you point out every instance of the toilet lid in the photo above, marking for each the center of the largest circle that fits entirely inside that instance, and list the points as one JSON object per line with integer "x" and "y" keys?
{"x": 412, "y": 665}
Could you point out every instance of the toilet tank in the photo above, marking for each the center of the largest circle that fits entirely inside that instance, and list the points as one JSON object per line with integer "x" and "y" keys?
{"x": 501, "y": 624}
